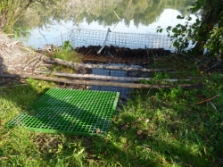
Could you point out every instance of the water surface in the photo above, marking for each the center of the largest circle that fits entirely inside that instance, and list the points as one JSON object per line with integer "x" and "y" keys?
{"x": 128, "y": 16}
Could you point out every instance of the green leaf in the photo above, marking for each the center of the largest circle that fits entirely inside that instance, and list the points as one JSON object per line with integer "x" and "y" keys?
{"x": 180, "y": 17}
{"x": 176, "y": 44}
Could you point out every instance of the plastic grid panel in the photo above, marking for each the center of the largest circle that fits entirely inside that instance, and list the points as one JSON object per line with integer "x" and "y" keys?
{"x": 82, "y": 112}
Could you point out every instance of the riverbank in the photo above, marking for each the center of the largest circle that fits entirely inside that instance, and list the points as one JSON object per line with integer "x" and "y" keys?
{"x": 153, "y": 128}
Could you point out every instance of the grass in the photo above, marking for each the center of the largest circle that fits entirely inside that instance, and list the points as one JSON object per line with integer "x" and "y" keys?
{"x": 154, "y": 128}
{"x": 67, "y": 53}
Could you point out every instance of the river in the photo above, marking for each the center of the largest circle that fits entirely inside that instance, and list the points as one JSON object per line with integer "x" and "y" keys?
{"x": 121, "y": 16}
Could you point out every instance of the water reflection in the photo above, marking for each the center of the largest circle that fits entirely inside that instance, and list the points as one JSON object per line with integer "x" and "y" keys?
{"x": 55, "y": 33}
{"x": 135, "y": 16}
{"x": 105, "y": 12}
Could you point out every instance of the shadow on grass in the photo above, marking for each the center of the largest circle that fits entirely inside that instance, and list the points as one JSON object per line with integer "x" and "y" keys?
{"x": 68, "y": 117}
{"x": 178, "y": 133}
{"x": 120, "y": 147}
{"x": 69, "y": 112}
{"x": 145, "y": 148}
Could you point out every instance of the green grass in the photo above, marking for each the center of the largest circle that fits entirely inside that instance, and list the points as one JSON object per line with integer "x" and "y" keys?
{"x": 154, "y": 128}
{"x": 68, "y": 55}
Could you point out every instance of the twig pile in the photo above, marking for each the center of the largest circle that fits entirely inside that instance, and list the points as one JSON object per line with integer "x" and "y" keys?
{"x": 13, "y": 56}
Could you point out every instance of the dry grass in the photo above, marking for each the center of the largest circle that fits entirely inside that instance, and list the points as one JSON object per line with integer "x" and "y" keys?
{"x": 13, "y": 55}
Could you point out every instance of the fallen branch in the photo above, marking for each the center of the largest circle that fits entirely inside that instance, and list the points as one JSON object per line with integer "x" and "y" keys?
{"x": 80, "y": 65}
{"x": 208, "y": 99}
{"x": 102, "y": 77}
{"x": 100, "y": 83}
{"x": 117, "y": 15}
{"x": 12, "y": 44}
{"x": 34, "y": 59}
{"x": 215, "y": 65}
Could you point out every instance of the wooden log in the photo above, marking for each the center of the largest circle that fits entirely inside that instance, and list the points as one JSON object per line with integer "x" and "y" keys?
{"x": 105, "y": 83}
{"x": 102, "y": 77}
{"x": 111, "y": 67}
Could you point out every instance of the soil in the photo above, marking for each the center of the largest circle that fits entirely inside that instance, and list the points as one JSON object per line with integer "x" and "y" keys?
{"x": 114, "y": 54}
{"x": 10, "y": 81}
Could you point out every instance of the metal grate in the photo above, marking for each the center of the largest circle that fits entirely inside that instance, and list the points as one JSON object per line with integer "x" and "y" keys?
{"x": 82, "y": 112}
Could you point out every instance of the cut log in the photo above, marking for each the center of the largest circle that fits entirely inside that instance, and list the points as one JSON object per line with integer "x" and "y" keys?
{"x": 100, "y": 83}
{"x": 102, "y": 77}
{"x": 111, "y": 67}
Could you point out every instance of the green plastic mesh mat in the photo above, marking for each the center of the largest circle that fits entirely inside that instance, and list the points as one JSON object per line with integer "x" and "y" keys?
{"x": 82, "y": 112}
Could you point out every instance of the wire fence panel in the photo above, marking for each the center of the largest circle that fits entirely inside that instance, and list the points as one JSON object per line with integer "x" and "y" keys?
{"x": 87, "y": 37}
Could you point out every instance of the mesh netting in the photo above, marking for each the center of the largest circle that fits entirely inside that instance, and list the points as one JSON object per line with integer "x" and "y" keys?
{"x": 87, "y": 37}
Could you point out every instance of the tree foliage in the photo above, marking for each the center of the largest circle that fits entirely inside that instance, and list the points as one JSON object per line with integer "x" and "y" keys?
{"x": 11, "y": 11}
{"x": 204, "y": 35}
{"x": 145, "y": 12}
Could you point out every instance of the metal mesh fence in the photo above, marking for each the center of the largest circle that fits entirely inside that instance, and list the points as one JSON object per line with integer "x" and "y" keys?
{"x": 87, "y": 37}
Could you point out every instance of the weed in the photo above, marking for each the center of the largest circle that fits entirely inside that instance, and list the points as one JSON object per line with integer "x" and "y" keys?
{"x": 59, "y": 68}
{"x": 67, "y": 53}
